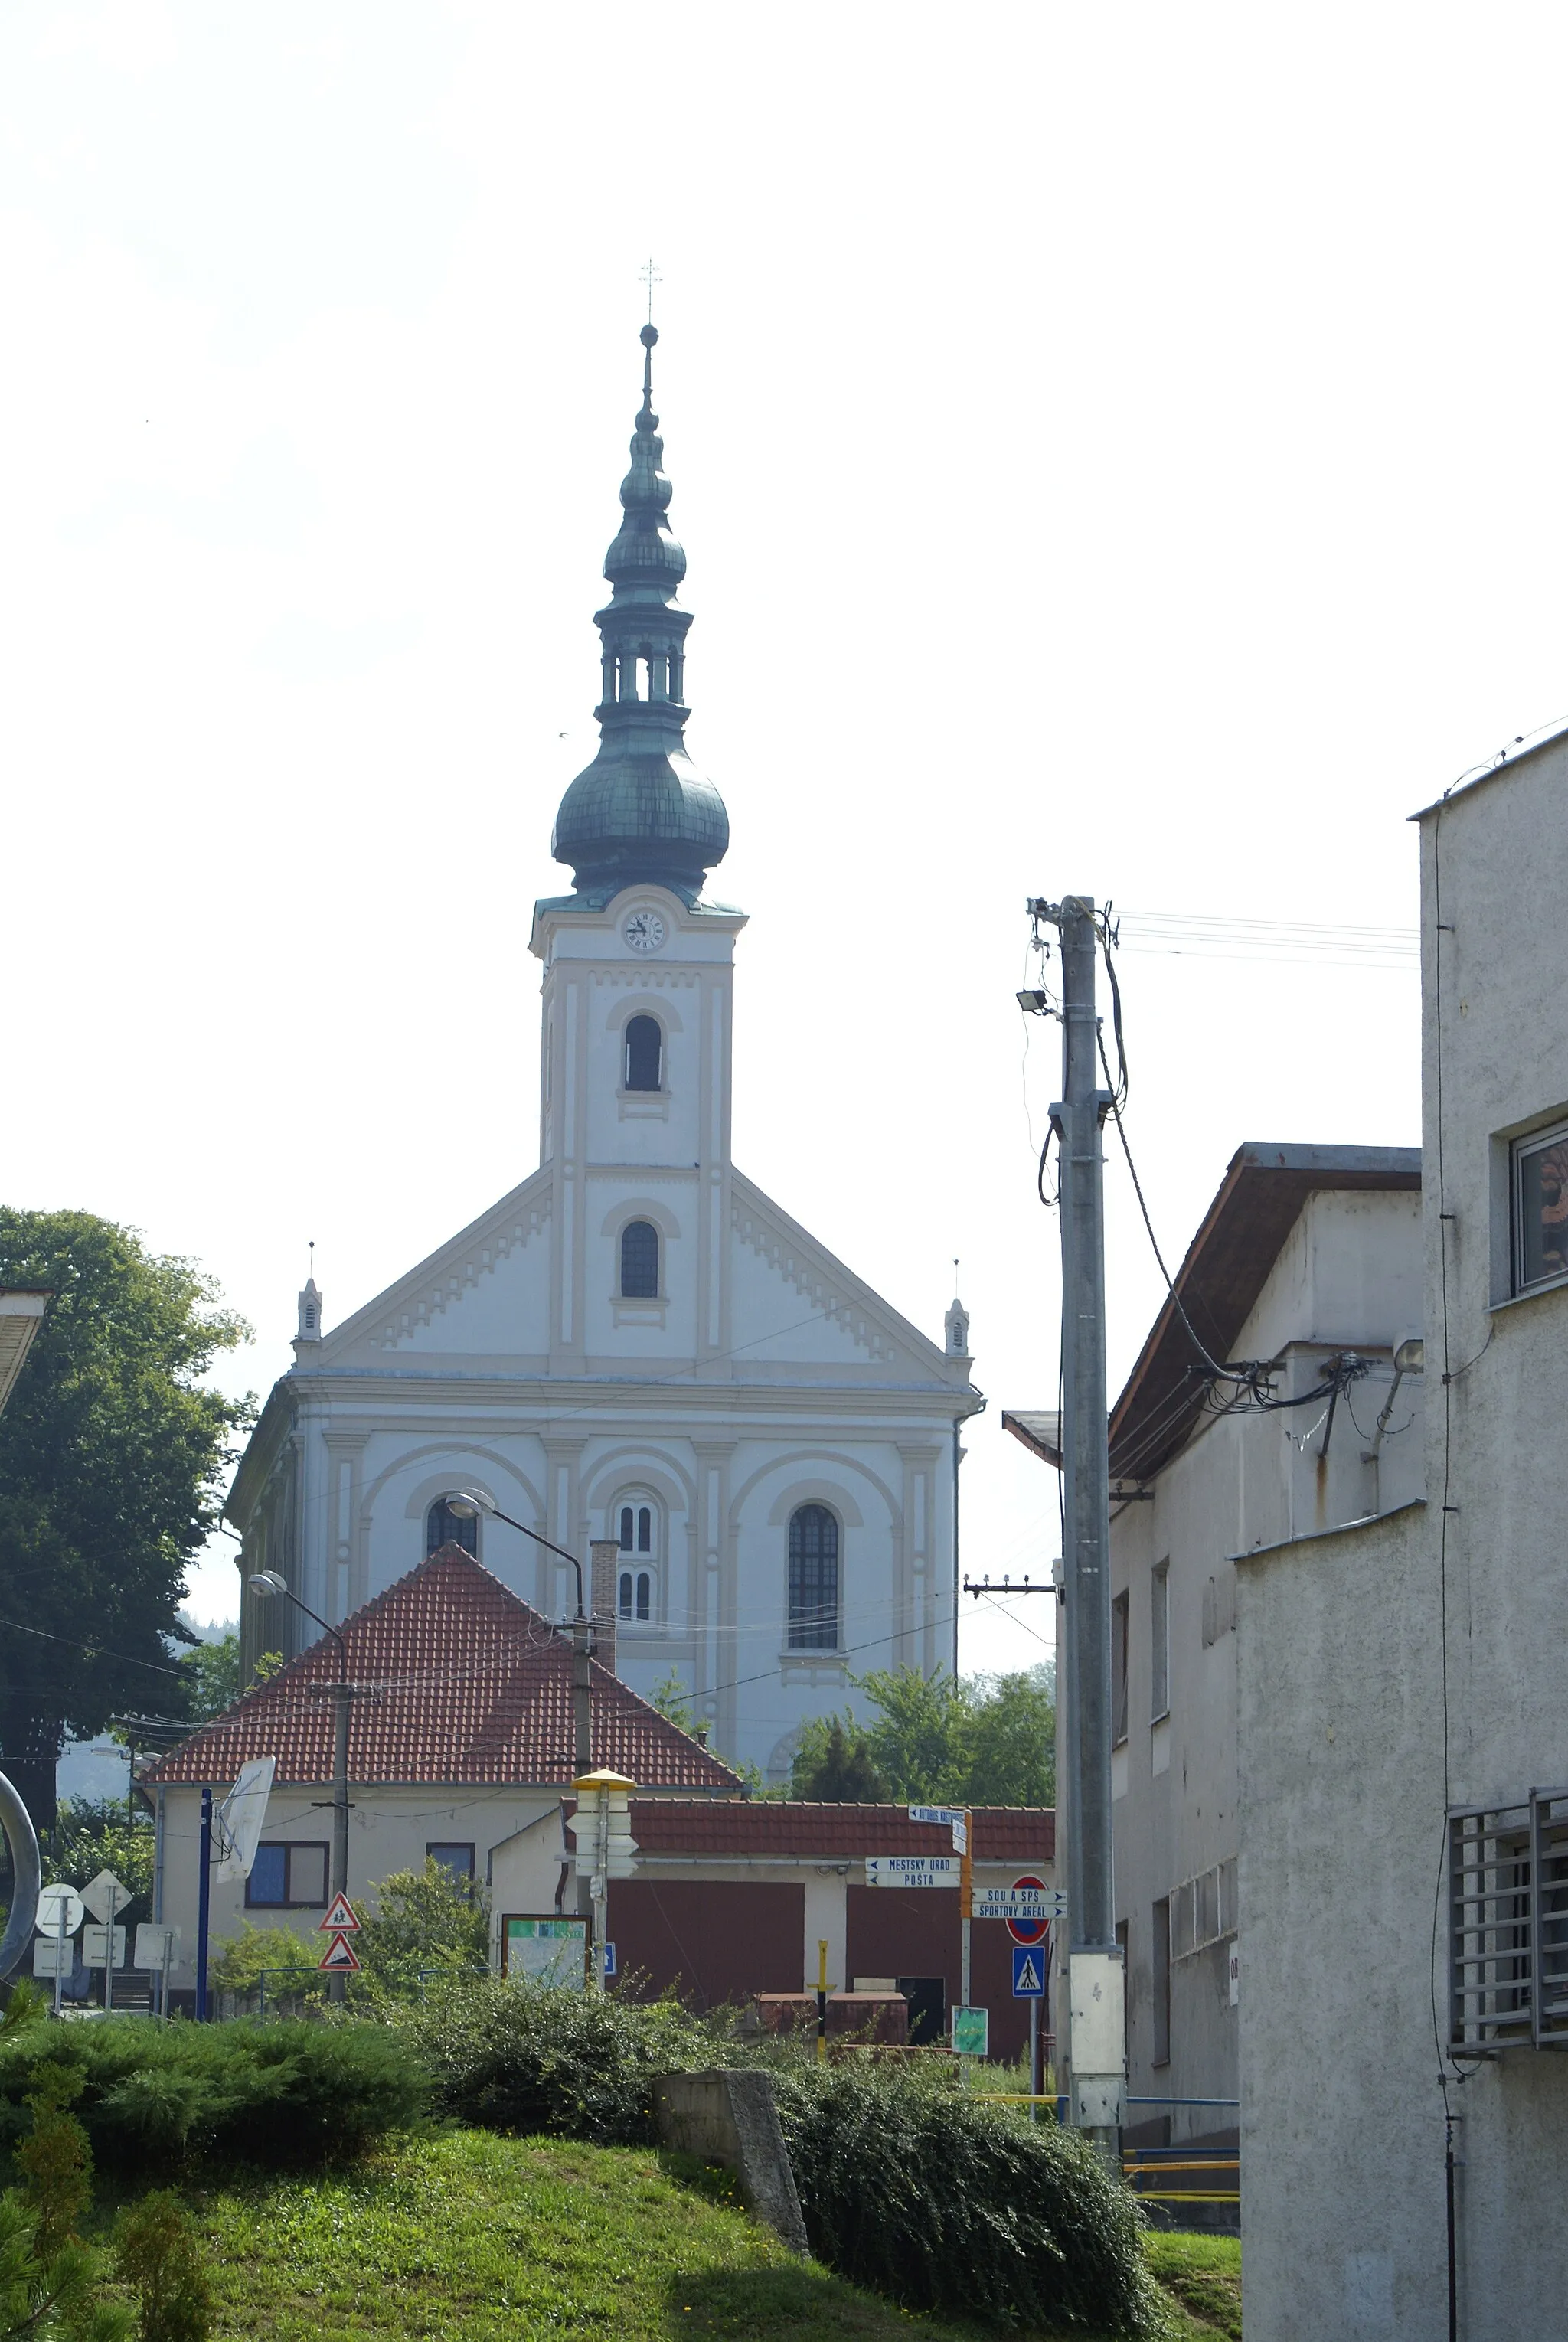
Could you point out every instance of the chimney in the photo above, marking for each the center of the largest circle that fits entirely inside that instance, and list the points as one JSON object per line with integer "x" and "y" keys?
{"x": 603, "y": 1560}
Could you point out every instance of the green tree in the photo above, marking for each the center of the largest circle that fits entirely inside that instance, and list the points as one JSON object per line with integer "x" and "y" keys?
{"x": 90, "y": 1835}
{"x": 833, "y": 1765}
{"x": 422, "y": 1920}
{"x": 158, "y": 2255}
{"x": 112, "y": 1458}
{"x": 979, "y": 1740}
{"x": 673, "y": 1700}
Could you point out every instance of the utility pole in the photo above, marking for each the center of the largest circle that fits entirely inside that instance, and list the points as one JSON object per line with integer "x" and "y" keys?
{"x": 1096, "y": 1980}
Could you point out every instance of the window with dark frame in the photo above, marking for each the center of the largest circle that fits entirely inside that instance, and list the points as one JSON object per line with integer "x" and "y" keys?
{"x": 455, "y": 1856}
{"x": 286, "y": 1876}
{"x": 635, "y": 1601}
{"x": 1118, "y": 1670}
{"x": 1540, "y": 1208}
{"x": 1159, "y": 1638}
{"x": 644, "y": 1066}
{"x": 1162, "y": 1983}
{"x": 639, "y": 1261}
{"x": 442, "y": 1526}
{"x": 813, "y": 1579}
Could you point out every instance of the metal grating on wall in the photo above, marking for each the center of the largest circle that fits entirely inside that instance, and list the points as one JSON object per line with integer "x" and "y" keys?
{"x": 1508, "y": 1925}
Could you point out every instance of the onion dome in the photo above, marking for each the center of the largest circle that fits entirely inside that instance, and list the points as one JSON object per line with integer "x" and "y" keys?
{"x": 641, "y": 811}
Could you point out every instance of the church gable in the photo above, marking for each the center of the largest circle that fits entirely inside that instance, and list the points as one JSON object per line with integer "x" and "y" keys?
{"x": 485, "y": 1293}
{"x": 796, "y": 1304}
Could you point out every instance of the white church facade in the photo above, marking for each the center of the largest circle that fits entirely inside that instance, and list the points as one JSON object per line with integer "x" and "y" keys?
{"x": 636, "y": 1343}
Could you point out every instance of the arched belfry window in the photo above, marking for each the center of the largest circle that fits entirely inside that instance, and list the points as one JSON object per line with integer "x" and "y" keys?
{"x": 645, "y": 1067}
{"x": 813, "y": 1579}
{"x": 639, "y": 1261}
{"x": 442, "y": 1526}
{"x": 637, "y": 1524}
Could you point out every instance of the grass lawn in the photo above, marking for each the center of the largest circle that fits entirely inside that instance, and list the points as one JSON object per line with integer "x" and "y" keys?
{"x": 472, "y": 2238}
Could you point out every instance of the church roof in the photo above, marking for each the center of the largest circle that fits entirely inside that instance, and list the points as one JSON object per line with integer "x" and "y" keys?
{"x": 641, "y": 811}
{"x": 457, "y": 1681}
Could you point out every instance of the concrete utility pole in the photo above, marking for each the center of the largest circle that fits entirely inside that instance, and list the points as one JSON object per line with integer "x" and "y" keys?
{"x": 1096, "y": 1980}
{"x": 270, "y": 1581}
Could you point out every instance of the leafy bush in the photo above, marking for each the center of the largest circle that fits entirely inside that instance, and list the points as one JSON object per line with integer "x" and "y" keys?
{"x": 275, "y": 1959}
{"x": 155, "y": 2255}
{"x": 537, "y": 2059}
{"x": 278, "y": 2094}
{"x": 422, "y": 1920}
{"x": 949, "y": 2206}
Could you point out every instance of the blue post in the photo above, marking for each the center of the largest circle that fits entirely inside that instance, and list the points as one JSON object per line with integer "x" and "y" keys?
{"x": 203, "y": 1906}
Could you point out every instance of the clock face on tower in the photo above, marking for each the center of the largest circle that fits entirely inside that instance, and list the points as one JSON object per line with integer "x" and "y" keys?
{"x": 643, "y": 931}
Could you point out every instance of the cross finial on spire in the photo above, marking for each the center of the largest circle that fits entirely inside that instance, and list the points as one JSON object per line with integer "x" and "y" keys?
{"x": 650, "y": 276}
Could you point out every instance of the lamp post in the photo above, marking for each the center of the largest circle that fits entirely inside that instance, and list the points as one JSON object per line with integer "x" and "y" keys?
{"x": 266, "y": 1583}
{"x": 468, "y": 1503}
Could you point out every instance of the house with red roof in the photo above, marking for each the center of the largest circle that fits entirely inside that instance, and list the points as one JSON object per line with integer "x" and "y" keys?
{"x": 460, "y": 1736}
{"x": 731, "y": 1898}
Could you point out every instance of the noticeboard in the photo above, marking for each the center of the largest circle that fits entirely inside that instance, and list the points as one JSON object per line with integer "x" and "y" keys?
{"x": 970, "y": 2032}
{"x": 544, "y": 1951}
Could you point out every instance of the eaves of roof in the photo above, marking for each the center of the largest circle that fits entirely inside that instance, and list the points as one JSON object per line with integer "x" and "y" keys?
{"x": 1506, "y": 761}
{"x": 1260, "y": 1199}
{"x": 767, "y": 1829}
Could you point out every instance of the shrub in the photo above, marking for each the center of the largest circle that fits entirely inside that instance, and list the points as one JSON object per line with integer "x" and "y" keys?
{"x": 533, "y": 2057}
{"x": 279, "y": 2094}
{"x": 422, "y": 1921}
{"x": 282, "y": 1962}
{"x": 155, "y": 2255}
{"x": 948, "y": 2206}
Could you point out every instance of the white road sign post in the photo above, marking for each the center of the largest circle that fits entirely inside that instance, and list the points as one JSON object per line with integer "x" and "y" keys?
{"x": 105, "y": 1897}
{"x": 606, "y": 1848}
{"x": 60, "y": 1912}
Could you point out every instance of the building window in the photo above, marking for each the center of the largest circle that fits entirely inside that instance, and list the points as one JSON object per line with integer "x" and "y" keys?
{"x": 639, "y": 1261}
{"x": 456, "y": 1859}
{"x": 638, "y": 1529}
{"x": 1162, "y": 1984}
{"x": 1508, "y": 1925}
{"x": 287, "y": 1877}
{"x": 1159, "y": 1636}
{"x": 1541, "y": 1208}
{"x": 442, "y": 1526}
{"x": 1118, "y": 1670}
{"x": 635, "y": 1601}
{"x": 644, "y": 1066}
{"x": 813, "y": 1579}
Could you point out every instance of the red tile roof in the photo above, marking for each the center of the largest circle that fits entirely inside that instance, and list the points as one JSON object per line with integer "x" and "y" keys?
{"x": 764, "y": 1827}
{"x": 459, "y": 1682}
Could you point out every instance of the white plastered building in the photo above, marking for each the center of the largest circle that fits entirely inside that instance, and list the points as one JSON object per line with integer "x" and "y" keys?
{"x": 636, "y": 1342}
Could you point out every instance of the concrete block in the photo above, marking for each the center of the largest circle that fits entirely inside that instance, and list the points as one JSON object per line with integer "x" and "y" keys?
{"x": 729, "y": 2118}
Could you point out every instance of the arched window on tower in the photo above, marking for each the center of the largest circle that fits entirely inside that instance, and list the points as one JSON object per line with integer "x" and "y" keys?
{"x": 638, "y": 1527}
{"x": 639, "y": 1261}
{"x": 442, "y": 1526}
{"x": 644, "y": 1066}
{"x": 813, "y": 1579}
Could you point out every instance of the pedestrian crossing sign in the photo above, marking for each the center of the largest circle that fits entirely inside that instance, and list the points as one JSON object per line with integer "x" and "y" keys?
{"x": 1028, "y": 1971}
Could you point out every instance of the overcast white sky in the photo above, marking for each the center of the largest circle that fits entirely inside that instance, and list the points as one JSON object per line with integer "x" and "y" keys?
{"x": 1116, "y": 450}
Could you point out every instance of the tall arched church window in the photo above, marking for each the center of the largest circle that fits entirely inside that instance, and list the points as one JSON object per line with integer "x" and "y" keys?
{"x": 813, "y": 1579}
{"x": 638, "y": 1530}
{"x": 645, "y": 1067}
{"x": 639, "y": 1261}
{"x": 442, "y": 1526}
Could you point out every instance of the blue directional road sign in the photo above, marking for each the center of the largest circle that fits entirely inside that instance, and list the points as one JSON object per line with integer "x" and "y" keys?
{"x": 1028, "y": 1971}
{"x": 609, "y": 1959}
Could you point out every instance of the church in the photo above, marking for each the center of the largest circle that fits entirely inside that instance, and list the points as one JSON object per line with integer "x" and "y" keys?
{"x": 636, "y": 1343}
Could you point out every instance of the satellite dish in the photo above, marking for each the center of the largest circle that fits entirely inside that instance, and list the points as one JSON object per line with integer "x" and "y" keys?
{"x": 237, "y": 1823}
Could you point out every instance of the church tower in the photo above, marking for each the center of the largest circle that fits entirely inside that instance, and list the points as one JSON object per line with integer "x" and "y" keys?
{"x": 636, "y": 1350}
{"x": 635, "y": 1105}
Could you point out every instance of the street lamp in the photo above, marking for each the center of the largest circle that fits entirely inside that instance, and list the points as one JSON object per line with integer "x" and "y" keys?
{"x": 467, "y": 1504}
{"x": 267, "y": 1583}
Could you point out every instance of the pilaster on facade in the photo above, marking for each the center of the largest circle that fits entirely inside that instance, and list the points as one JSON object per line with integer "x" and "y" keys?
{"x": 914, "y": 1608}
{"x": 716, "y": 1578}
{"x": 563, "y": 1505}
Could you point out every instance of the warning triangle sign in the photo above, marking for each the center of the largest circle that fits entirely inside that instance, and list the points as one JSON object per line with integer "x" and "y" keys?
{"x": 339, "y": 1958}
{"x": 340, "y": 1920}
